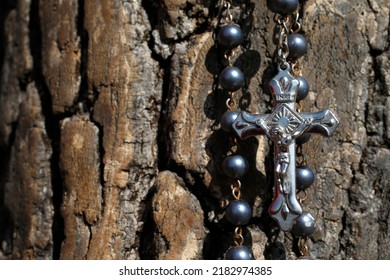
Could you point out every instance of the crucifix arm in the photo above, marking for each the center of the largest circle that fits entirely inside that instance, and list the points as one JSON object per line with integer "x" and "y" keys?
{"x": 302, "y": 127}
{"x": 323, "y": 122}
{"x": 247, "y": 125}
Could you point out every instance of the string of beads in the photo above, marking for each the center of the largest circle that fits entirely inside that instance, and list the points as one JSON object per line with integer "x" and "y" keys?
{"x": 235, "y": 166}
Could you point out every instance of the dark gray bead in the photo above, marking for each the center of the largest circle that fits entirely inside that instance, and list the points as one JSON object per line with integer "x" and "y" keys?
{"x": 231, "y": 78}
{"x": 238, "y": 212}
{"x": 304, "y": 225}
{"x": 303, "y": 89}
{"x": 304, "y": 177}
{"x": 235, "y": 166}
{"x": 297, "y": 45}
{"x": 239, "y": 253}
{"x": 230, "y": 36}
{"x": 303, "y": 138}
{"x": 227, "y": 120}
{"x": 284, "y": 7}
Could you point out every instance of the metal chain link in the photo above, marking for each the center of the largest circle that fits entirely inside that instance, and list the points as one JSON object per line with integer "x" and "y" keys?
{"x": 283, "y": 50}
{"x": 302, "y": 244}
{"x": 286, "y": 25}
{"x": 236, "y": 189}
{"x": 238, "y": 237}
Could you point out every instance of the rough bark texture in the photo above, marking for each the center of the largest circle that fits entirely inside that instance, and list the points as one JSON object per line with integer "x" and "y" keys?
{"x": 109, "y": 138}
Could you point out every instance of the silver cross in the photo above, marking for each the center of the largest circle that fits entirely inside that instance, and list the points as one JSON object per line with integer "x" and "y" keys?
{"x": 283, "y": 126}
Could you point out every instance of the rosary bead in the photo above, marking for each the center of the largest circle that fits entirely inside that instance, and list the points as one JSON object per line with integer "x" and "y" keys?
{"x": 304, "y": 177}
{"x": 230, "y": 36}
{"x": 235, "y": 166}
{"x": 238, "y": 212}
{"x": 304, "y": 138}
{"x": 297, "y": 45}
{"x": 284, "y": 7}
{"x": 239, "y": 253}
{"x": 304, "y": 225}
{"x": 227, "y": 120}
{"x": 231, "y": 78}
{"x": 303, "y": 89}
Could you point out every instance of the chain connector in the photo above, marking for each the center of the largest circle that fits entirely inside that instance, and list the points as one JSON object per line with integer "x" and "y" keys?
{"x": 301, "y": 157}
{"x": 229, "y": 54}
{"x": 304, "y": 197}
{"x": 303, "y": 250}
{"x": 296, "y": 68}
{"x": 238, "y": 237}
{"x": 295, "y": 24}
{"x": 300, "y": 106}
{"x": 231, "y": 104}
{"x": 229, "y": 16}
{"x": 236, "y": 189}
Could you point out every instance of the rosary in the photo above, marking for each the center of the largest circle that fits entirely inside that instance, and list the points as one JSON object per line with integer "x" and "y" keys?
{"x": 287, "y": 127}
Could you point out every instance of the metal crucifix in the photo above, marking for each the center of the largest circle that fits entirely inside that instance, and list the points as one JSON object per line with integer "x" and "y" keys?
{"x": 283, "y": 126}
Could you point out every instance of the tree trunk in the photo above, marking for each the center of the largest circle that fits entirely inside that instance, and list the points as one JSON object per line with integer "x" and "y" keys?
{"x": 109, "y": 138}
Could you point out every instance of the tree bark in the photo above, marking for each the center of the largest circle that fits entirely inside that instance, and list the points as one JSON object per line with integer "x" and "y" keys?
{"x": 109, "y": 140}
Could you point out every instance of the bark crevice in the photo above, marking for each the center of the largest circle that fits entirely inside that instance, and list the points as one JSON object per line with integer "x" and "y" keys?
{"x": 52, "y": 125}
